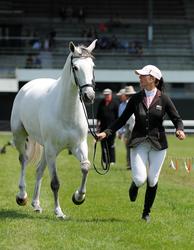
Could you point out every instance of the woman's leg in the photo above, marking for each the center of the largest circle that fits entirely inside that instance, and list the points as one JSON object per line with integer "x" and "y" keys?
{"x": 139, "y": 158}
{"x": 156, "y": 159}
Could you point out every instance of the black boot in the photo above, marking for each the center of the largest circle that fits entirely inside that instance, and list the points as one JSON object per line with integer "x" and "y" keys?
{"x": 133, "y": 191}
{"x": 149, "y": 200}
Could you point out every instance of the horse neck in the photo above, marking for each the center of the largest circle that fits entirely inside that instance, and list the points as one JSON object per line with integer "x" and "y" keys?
{"x": 68, "y": 93}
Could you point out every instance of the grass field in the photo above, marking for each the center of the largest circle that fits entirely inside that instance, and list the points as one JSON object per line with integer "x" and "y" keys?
{"x": 107, "y": 220}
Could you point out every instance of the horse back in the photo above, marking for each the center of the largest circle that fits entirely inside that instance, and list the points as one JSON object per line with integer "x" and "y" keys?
{"x": 28, "y": 104}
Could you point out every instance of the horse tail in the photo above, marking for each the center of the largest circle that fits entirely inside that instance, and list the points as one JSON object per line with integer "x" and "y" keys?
{"x": 33, "y": 151}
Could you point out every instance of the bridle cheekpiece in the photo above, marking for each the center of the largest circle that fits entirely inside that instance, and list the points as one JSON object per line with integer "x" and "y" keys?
{"x": 75, "y": 76}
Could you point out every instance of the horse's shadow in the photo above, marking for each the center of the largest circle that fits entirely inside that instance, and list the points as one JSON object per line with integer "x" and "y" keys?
{"x": 17, "y": 215}
{"x": 100, "y": 220}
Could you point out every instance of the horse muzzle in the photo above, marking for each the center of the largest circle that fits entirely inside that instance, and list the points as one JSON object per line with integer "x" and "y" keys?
{"x": 88, "y": 97}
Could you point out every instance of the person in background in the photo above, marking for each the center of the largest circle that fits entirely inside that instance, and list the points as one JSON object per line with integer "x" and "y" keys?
{"x": 107, "y": 113}
{"x": 122, "y": 106}
{"x": 129, "y": 91}
{"x": 121, "y": 133}
{"x": 29, "y": 62}
{"x": 148, "y": 141}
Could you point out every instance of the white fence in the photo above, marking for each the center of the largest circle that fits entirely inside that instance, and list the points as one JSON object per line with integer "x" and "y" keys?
{"x": 169, "y": 127}
{"x": 188, "y": 126}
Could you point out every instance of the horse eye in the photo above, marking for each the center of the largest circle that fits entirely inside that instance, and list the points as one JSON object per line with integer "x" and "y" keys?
{"x": 75, "y": 67}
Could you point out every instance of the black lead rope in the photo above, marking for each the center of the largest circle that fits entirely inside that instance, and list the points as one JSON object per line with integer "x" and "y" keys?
{"x": 105, "y": 165}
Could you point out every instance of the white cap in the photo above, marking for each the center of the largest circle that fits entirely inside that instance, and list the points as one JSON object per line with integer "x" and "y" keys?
{"x": 107, "y": 92}
{"x": 149, "y": 70}
{"x": 121, "y": 92}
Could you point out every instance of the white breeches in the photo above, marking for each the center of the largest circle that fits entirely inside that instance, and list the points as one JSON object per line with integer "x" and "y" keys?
{"x": 146, "y": 164}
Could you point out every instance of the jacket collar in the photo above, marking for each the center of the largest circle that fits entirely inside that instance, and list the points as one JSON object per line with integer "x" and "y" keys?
{"x": 156, "y": 97}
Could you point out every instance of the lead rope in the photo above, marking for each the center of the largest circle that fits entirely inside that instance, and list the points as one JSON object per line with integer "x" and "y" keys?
{"x": 105, "y": 165}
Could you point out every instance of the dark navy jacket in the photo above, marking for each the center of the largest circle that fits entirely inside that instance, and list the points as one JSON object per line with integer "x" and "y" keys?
{"x": 107, "y": 114}
{"x": 148, "y": 121}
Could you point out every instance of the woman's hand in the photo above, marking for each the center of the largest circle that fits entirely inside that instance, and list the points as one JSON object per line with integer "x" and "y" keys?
{"x": 180, "y": 134}
{"x": 101, "y": 136}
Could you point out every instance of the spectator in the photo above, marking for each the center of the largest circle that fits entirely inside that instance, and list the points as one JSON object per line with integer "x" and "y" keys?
{"x": 46, "y": 43}
{"x": 104, "y": 42}
{"x": 122, "y": 106}
{"x": 91, "y": 33}
{"x": 51, "y": 37}
{"x": 124, "y": 44}
{"x": 107, "y": 113}
{"x": 81, "y": 15}
{"x": 37, "y": 45}
{"x": 125, "y": 132}
{"x": 137, "y": 47}
{"x": 37, "y": 62}
{"x": 69, "y": 13}
{"x": 132, "y": 48}
{"x": 102, "y": 27}
{"x": 114, "y": 42}
{"x": 29, "y": 62}
{"x": 129, "y": 91}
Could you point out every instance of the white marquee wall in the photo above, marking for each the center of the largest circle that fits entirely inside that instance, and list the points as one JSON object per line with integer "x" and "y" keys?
{"x": 11, "y": 85}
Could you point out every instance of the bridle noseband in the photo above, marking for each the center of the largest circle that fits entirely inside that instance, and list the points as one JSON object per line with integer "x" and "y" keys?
{"x": 93, "y": 84}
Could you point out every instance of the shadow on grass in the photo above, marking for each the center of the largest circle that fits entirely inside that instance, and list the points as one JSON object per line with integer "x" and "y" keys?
{"x": 101, "y": 220}
{"x": 15, "y": 214}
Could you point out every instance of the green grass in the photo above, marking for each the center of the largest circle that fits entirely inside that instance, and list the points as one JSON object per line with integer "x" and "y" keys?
{"x": 107, "y": 220}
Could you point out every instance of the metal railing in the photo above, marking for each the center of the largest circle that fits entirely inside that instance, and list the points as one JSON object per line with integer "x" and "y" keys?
{"x": 169, "y": 127}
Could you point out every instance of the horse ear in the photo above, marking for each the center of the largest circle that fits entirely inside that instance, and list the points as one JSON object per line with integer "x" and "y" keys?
{"x": 92, "y": 46}
{"x": 72, "y": 46}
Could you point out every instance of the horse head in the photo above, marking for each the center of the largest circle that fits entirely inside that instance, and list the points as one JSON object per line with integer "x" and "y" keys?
{"x": 83, "y": 70}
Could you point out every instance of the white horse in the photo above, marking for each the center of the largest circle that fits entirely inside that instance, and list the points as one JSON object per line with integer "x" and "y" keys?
{"x": 49, "y": 113}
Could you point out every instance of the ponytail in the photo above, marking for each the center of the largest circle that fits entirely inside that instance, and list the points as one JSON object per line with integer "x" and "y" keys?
{"x": 160, "y": 84}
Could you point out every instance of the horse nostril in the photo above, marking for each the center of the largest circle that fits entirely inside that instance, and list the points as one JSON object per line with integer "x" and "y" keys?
{"x": 87, "y": 98}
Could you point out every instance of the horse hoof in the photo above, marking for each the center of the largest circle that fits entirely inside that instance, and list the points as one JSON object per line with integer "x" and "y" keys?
{"x": 76, "y": 202}
{"x": 21, "y": 201}
{"x": 38, "y": 210}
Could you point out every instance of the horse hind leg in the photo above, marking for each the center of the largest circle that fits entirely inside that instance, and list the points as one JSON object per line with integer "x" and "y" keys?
{"x": 51, "y": 162}
{"x": 39, "y": 173}
{"x": 21, "y": 197}
{"x": 20, "y": 137}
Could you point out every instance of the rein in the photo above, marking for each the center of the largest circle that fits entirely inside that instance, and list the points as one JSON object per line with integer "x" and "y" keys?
{"x": 105, "y": 165}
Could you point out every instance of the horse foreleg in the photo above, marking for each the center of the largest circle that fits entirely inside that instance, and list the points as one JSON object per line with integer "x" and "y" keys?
{"x": 82, "y": 154}
{"x": 39, "y": 173}
{"x": 79, "y": 196}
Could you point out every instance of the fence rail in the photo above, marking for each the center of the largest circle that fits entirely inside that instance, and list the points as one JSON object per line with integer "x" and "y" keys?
{"x": 169, "y": 127}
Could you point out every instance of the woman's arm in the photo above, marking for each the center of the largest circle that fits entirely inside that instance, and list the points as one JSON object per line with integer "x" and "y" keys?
{"x": 175, "y": 118}
{"x": 129, "y": 110}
